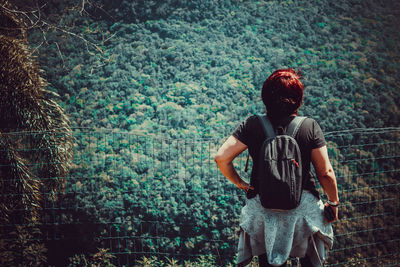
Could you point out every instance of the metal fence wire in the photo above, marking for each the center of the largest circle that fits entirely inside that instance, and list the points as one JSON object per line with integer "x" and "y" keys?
{"x": 145, "y": 196}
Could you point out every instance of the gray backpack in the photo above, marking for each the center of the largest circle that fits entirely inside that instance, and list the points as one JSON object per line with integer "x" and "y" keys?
{"x": 279, "y": 170}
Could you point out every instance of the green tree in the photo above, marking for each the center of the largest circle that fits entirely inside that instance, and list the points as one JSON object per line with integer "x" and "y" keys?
{"x": 35, "y": 145}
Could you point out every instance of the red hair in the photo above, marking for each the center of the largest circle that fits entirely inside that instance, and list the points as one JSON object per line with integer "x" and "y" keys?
{"x": 282, "y": 93}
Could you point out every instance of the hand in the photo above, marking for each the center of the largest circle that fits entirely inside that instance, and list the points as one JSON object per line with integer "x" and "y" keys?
{"x": 332, "y": 213}
{"x": 244, "y": 186}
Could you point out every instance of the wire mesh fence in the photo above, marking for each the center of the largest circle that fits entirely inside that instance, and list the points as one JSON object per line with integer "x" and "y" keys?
{"x": 367, "y": 166}
{"x": 145, "y": 196}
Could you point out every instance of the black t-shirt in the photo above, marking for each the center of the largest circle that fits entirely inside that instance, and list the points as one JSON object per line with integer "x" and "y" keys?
{"x": 310, "y": 136}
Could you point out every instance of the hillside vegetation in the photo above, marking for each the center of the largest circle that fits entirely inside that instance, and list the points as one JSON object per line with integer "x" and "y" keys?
{"x": 195, "y": 68}
{"x": 170, "y": 72}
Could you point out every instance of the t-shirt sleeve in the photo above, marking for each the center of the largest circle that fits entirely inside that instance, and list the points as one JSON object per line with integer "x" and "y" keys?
{"x": 318, "y": 138}
{"x": 243, "y": 133}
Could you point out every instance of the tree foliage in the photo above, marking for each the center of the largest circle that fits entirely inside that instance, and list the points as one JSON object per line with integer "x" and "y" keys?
{"x": 181, "y": 70}
{"x": 218, "y": 55}
{"x": 33, "y": 130}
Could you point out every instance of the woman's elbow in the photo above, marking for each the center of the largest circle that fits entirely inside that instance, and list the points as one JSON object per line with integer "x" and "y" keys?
{"x": 220, "y": 159}
{"x": 328, "y": 175}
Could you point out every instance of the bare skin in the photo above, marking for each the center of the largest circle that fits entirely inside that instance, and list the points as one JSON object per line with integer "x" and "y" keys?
{"x": 224, "y": 158}
{"x": 326, "y": 175}
{"x": 319, "y": 158}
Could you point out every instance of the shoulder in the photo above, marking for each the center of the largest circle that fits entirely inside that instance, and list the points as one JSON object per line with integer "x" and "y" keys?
{"x": 309, "y": 122}
{"x": 250, "y": 122}
{"x": 311, "y": 133}
{"x": 246, "y": 130}
{"x": 253, "y": 119}
{"x": 310, "y": 125}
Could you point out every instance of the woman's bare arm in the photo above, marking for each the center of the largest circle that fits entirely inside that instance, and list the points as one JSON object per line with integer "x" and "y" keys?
{"x": 325, "y": 174}
{"x": 224, "y": 158}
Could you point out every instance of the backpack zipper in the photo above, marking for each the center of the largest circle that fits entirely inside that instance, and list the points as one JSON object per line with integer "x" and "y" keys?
{"x": 295, "y": 162}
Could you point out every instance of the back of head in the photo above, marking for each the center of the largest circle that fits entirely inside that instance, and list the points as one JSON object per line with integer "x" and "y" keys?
{"x": 282, "y": 93}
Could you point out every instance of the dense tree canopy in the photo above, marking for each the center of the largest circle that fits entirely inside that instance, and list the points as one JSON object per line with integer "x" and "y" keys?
{"x": 171, "y": 66}
{"x": 169, "y": 72}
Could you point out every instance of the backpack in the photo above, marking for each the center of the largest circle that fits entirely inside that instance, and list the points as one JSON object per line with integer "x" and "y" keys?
{"x": 279, "y": 170}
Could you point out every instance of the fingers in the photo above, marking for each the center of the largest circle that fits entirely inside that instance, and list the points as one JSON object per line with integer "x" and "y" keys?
{"x": 245, "y": 186}
{"x": 330, "y": 213}
{"x": 336, "y": 213}
{"x": 248, "y": 188}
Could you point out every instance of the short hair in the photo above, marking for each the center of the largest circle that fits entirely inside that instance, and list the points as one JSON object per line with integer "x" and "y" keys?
{"x": 282, "y": 93}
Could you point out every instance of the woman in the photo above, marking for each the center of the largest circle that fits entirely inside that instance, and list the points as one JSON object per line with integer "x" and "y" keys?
{"x": 274, "y": 235}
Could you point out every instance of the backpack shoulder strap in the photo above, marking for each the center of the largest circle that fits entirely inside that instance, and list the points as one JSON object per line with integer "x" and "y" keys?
{"x": 268, "y": 130}
{"x": 267, "y": 126}
{"x": 294, "y": 126}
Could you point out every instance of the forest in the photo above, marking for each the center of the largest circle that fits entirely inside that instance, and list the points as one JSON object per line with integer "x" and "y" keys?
{"x": 152, "y": 88}
{"x": 191, "y": 69}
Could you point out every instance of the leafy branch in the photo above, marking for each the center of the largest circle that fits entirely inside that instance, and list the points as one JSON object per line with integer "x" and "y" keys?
{"x": 25, "y": 18}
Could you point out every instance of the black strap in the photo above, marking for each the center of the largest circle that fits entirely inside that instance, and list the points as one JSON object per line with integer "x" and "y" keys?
{"x": 268, "y": 130}
{"x": 247, "y": 161}
{"x": 267, "y": 126}
{"x": 294, "y": 126}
